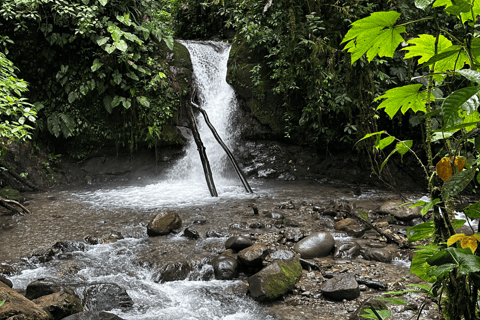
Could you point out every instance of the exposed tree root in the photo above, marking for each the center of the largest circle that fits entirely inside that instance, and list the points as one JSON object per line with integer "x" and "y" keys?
{"x": 6, "y": 204}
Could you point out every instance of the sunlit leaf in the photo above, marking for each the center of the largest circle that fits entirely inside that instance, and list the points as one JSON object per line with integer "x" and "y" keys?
{"x": 103, "y": 2}
{"x": 385, "y": 142}
{"x": 404, "y": 98}
{"x": 423, "y": 4}
{"x": 465, "y": 99}
{"x": 423, "y": 47}
{"x": 374, "y": 35}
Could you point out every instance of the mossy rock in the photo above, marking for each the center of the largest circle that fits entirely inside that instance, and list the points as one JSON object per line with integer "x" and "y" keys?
{"x": 275, "y": 280}
{"x": 10, "y": 194}
{"x": 180, "y": 65}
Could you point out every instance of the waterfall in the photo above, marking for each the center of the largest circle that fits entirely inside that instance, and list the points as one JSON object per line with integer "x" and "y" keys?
{"x": 217, "y": 98}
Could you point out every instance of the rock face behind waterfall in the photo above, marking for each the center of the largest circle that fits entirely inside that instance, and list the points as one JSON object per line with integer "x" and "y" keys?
{"x": 163, "y": 223}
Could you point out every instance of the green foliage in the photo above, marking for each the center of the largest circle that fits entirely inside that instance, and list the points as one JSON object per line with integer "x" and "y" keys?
{"x": 452, "y": 271}
{"x": 96, "y": 66}
{"x": 16, "y": 113}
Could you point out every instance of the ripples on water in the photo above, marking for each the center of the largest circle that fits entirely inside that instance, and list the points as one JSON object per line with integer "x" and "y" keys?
{"x": 114, "y": 263}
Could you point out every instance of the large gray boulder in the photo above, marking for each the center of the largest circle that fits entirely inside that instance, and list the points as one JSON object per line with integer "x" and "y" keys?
{"x": 253, "y": 255}
{"x": 403, "y": 213}
{"x": 275, "y": 280}
{"x": 341, "y": 287}
{"x": 318, "y": 244}
{"x": 225, "y": 267}
{"x": 163, "y": 223}
{"x": 172, "y": 271}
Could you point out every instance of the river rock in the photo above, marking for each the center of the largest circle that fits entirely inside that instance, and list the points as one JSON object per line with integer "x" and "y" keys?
{"x": 19, "y": 306}
{"x": 172, "y": 272}
{"x": 375, "y": 254}
{"x": 214, "y": 234}
{"x": 60, "y": 304}
{"x": 225, "y": 267}
{"x": 93, "y": 315}
{"x": 42, "y": 287}
{"x": 238, "y": 243}
{"x": 163, "y": 223}
{"x": 351, "y": 227}
{"x": 191, "y": 233}
{"x": 106, "y": 296}
{"x": 403, "y": 213}
{"x": 7, "y": 269}
{"x": 347, "y": 250}
{"x": 318, "y": 244}
{"x": 294, "y": 234}
{"x": 253, "y": 255}
{"x": 6, "y": 281}
{"x": 275, "y": 215}
{"x": 275, "y": 280}
{"x": 341, "y": 287}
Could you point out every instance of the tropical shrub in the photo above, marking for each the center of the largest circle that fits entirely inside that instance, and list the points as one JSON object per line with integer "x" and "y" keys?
{"x": 449, "y": 64}
{"x": 96, "y": 67}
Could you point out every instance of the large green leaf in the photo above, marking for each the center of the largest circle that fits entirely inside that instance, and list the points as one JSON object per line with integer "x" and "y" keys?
{"x": 424, "y": 47}
{"x": 473, "y": 211}
{"x": 465, "y": 99}
{"x": 454, "y": 8}
{"x": 470, "y": 74}
{"x": 385, "y": 142}
{"x": 419, "y": 265}
{"x": 457, "y": 183}
{"x": 421, "y": 231}
{"x": 404, "y": 98}
{"x": 169, "y": 42}
{"x": 423, "y": 4}
{"x": 374, "y": 35}
{"x": 463, "y": 258}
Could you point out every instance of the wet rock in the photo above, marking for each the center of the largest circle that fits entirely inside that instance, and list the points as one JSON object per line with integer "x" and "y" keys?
{"x": 378, "y": 305}
{"x": 318, "y": 244}
{"x": 93, "y": 315}
{"x": 347, "y": 250}
{"x": 326, "y": 221}
{"x": 225, "y": 267}
{"x": 191, "y": 233}
{"x": 341, "y": 287}
{"x": 294, "y": 234}
{"x": 287, "y": 205}
{"x": 291, "y": 223}
{"x": 111, "y": 238}
{"x": 105, "y": 297}
{"x": 403, "y": 213}
{"x": 7, "y": 269}
{"x": 253, "y": 255}
{"x": 19, "y": 306}
{"x": 92, "y": 240}
{"x": 42, "y": 287}
{"x": 163, "y": 223}
{"x": 199, "y": 220}
{"x": 282, "y": 255}
{"x": 214, "y": 234}
{"x": 60, "y": 304}
{"x": 6, "y": 281}
{"x": 254, "y": 208}
{"x": 172, "y": 272}
{"x": 275, "y": 215}
{"x": 377, "y": 255}
{"x": 238, "y": 243}
{"x": 351, "y": 227}
{"x": 275, "y": 280}
{"x": 69, "y": 246}
{"x": 256, "y": 225}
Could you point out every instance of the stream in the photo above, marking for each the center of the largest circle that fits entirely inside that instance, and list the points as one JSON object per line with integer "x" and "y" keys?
{"x": 102, "y": 227}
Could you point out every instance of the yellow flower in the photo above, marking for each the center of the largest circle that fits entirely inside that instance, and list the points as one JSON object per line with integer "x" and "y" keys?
{"x": 467, "y": 241}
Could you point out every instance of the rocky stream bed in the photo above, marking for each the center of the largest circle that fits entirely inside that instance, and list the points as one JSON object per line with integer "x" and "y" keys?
{"x": 344, "y": 265}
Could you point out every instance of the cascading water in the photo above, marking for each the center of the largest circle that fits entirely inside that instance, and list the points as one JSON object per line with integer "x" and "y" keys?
{"x": 184, "y": 184}
{"x": 217, "y": 98}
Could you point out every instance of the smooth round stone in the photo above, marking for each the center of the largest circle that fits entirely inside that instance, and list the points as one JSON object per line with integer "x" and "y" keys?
{"x": 238, "y": 243}
{"x": 225, "y": 267}
{"x": 316, "y": 245}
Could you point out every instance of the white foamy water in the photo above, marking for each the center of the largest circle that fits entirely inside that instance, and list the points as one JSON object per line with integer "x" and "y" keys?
{"x": 115, "y": 263}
